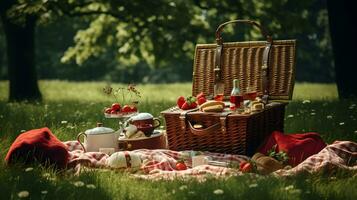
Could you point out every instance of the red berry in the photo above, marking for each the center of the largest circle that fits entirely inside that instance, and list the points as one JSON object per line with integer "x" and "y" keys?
{"x": 245, "y": 167}
{"x": 200, "y": 95}
{"x": 133, "y": 109}
{"x": 181, "y": 166}
{"x": 185, "y": 106}
{"x": 126, "y": 108}
{"x": 180, "y": 101}
{"x": 108, "y": 110}
{"x": 193, "y": 105}
{"x": 201, "y": 100}
{"x": 113, "y": 112}
{"x": 116, "y": 106}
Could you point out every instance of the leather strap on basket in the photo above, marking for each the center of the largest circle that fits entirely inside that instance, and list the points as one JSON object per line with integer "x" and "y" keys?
{"x": 183, "y": 118}
{"x": 222, "y": 124}
{"x": 266, "y": 53}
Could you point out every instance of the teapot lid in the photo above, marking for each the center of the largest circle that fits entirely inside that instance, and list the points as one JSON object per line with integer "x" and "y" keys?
{"x": 141, "y": 116}
{"x": 99, "y": 130}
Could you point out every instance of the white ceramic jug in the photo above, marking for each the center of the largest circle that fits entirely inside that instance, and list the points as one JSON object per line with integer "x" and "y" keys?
{"x": 98, "y": 137}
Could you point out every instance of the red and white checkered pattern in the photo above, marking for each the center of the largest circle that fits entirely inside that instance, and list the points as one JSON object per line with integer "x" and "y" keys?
{"x": 339, "y": 155}
{"x": 160, "y": 164}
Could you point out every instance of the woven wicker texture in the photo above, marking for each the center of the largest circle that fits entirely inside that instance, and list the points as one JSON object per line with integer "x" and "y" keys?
{"x": 243, "y": 60}
{"x": 244, "y": 133}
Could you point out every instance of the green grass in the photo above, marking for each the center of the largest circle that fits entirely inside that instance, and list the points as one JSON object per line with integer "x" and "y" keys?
{"x": 80, "y": 105}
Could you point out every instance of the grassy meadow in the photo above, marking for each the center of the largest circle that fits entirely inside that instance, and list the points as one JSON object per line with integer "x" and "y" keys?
{"x": 71, "y": 107}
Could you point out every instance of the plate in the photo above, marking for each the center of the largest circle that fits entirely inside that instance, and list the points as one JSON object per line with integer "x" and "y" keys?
{"x": 121, "y": 115}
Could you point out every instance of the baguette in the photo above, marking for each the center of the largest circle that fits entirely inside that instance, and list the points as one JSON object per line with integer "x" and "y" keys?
{"x": 211, "y": 103}
{"x": 214, "y": 108}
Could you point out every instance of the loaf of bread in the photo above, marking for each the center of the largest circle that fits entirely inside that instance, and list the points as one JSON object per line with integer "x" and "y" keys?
{"x": 212, "y": 106}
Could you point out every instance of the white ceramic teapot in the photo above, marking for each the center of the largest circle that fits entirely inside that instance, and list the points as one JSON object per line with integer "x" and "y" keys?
{"x": 98, "y": 137}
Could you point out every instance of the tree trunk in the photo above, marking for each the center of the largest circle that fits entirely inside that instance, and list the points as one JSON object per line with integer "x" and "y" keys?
{"x": 342, "y": 17}
{"x": 20, "y": 44}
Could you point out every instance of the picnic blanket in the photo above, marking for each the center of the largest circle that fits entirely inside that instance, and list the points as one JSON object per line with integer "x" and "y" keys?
{"x": 160, "y": 163}
{"x": 338, "y": 155}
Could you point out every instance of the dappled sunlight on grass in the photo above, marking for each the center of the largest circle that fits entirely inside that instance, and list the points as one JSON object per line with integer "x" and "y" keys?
{"x": 72, "y": 107}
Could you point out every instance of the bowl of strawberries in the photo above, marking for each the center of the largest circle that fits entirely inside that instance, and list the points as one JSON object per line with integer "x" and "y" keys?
{"x": 126, "y": 101}
{"x": 116, "y": 110}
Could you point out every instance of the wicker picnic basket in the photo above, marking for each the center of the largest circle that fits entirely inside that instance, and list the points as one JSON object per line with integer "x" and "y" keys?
{"x": 268, "y": 66}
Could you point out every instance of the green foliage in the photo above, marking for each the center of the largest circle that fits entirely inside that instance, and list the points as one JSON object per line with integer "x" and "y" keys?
{"x": 139, "y": 41}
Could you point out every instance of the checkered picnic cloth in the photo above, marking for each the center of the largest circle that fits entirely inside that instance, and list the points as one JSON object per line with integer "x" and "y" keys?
{"x": 158, "y": 164}
{"x": 339, "y": 155}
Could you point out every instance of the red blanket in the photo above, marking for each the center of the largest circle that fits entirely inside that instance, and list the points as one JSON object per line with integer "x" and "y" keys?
{"x": 38, "y": 145}
{"x": 297, "y": 146}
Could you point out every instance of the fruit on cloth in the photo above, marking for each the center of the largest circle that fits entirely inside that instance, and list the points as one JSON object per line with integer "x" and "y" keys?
{"x": 216, "y": 105}
{"x": 246, "y": 167}
{"x": 181, "y": 166}
{"x": 187, "y": 106}
{"x": 190, "y": 103}
{"x": 180, "y": 101}
{"x": 116, "y": 106}
{"x": 200, "y": 95}
{"x": 201, "y": 100}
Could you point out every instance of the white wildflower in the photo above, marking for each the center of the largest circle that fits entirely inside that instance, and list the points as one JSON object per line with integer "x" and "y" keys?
{"x": 78, "y": 184}
{"x": 44, "y": 192}
{"x": 312, "y": 113}
{"x": 46, "y": 175}
{"x": 23, "y": 194}
{"x": 64, "y": 122}
{"x": 355, "y": 131}
{"x": 290, "y": 187}
{"x": 290, "y": 116}
{"x": 306, "y": 101}
{"x": 218, "y": 191}
{"x": 329, "y": 116}
{"x": 254, "y": 185}
{"x": 28, "y": 169}
{"x": 22, "y": 131}
{"x": 90, "y": 186}
{"x": 342, "y": 123}
{"x": 183, "y": 187}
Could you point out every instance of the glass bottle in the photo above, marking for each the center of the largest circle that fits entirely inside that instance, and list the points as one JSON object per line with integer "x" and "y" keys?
{"x": 236, "y": 98}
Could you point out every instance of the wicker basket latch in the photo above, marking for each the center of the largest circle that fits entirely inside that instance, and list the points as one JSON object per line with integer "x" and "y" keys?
{"x": 223, "y": 121}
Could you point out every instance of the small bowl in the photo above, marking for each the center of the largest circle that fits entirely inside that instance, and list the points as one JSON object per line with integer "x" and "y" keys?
{"x": 147, "y": 129}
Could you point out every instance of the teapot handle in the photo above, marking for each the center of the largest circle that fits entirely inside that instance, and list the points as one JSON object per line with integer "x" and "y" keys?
{"x": 79, "y": 141}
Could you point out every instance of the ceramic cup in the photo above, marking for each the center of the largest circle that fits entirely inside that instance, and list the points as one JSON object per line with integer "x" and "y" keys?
{"x": 145, "y": 122}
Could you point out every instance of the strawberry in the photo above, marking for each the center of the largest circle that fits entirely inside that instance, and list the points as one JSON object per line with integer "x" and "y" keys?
{"x": 201, "y": 100}
{"x": 180, "y": 101}
{"x": 185, "y": 106}
{"x": 200, "y": 95}
{"x": 247, "y": 168}
{"x": 193, "y": 105}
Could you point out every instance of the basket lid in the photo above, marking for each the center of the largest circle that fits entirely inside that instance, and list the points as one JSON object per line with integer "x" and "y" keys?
{"x": 244, "y": 61}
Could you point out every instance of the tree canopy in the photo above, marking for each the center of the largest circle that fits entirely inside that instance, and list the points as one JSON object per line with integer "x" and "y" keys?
{"x": 162, "y": 34}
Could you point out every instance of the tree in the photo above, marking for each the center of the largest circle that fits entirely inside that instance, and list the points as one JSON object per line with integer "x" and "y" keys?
{"x": 343, "y": 33}
{"x": 20, "y": 48}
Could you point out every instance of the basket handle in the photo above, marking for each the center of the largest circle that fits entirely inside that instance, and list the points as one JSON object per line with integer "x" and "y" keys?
{"x": 265, "y": 66}
{"x": 253, "y": 23}
{"x": 206, "y": 131}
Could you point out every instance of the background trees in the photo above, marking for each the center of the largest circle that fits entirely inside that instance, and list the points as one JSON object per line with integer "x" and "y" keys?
{"x": 143, "y": 41}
